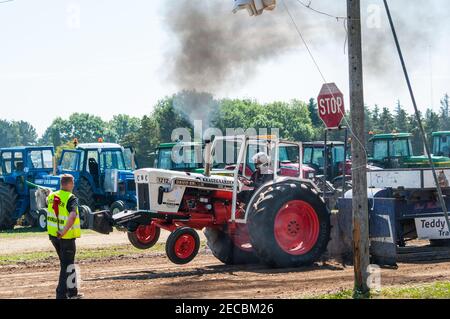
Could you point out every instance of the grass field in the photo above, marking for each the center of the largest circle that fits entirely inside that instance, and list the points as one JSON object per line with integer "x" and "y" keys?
{"x": 436, "y": 290}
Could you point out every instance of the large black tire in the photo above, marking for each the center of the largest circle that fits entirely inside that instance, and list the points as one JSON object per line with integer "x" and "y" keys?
{"x": 117, "y": 207}
{"x": 182, "y": 257}
{"x": 8, "y": 198}
{"x": 223, "y": 248}
{"x": 85, "y": 194}
{"x": 261, "y": 225}
{"x": 84, "y": 212}
{"x": 42, "y": 220}
{"x": 139, "y": 242}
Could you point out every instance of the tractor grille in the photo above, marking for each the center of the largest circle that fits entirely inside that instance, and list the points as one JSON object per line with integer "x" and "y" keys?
{"x": 143, "y": 197}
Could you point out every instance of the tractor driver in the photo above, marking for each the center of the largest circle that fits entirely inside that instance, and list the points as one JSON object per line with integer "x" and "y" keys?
{"x": 260, "y": 176}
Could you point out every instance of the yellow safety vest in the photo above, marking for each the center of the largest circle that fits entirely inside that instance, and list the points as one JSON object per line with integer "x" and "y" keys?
{"x": 57, "y": 223}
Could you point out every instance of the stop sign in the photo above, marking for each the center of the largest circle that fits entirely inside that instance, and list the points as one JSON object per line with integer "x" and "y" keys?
{"x": 331, "y": 105}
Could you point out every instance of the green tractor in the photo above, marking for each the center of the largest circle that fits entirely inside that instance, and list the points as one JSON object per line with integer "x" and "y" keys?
{"x": 392, "y": 151}
{"x": 441, "y": 143}
{"x": 189, "y": 156}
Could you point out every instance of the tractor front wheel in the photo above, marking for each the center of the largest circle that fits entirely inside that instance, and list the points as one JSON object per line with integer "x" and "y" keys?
{"x": 8, "y": 198}
{"x": 84, "y": 211}
{"x": 289, "y": 226}
{"x": 42, "y": 220}
{"x": 182, "y": 245}
{"x": 145, "y": 236}
{"x": 117, "y": 207}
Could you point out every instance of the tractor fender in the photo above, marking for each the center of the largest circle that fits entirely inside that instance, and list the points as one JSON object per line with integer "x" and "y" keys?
{"x": 282, "y": 180}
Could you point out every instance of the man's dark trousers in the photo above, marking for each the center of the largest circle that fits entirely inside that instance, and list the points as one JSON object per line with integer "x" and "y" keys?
{"x": 66, "y": 250}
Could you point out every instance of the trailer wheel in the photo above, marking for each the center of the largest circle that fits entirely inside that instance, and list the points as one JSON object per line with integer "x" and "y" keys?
{"x": 85, "y": 194}
{"x": 289, "y": 226}
{"x": 182, "y": 245}
{"x": 145, "y": 236}
{"x": 224, "y": 249}
{"x": 8, "y": 198}
{"x": 42, "y": 220}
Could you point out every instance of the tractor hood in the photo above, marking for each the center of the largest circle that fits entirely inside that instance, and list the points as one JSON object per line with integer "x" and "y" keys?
{"x": 185, "y": 179}
{"x": 48, "y": 181}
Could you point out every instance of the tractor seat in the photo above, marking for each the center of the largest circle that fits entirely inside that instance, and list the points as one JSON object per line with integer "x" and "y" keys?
{"x": 19, "y": 167}
{"x": 93, "y": 169}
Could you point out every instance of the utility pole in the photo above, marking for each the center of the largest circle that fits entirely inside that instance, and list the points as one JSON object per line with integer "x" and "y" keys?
{"x": 360, "y": 207}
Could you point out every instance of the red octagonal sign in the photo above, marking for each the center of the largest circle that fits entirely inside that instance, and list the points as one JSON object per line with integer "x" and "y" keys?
{"x": 331, "y": 105}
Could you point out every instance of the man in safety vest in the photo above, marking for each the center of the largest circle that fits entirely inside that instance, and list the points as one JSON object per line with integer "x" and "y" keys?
{"x": 63, "y": 225}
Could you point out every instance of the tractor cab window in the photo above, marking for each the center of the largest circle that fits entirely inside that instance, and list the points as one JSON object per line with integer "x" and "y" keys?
{"x": 18, "y": 162}
{"x": 380, "y": 150}
{"x": 226, "y": 153}
{"x": 289, "y": 153}
{"x": 307, "y": 155}
{"x": 7, "y": 162}
{"x": 112, "y": 160}
{"x": 441, "y": 145}
{"x": 180, "y": 158}
{"x": 318, "y": 157}
{"x": 338, "y": 154}
{"x": 69, "y": 161}
{"x": 41, "y": 159}
{"x": 128, "y": 157}
{"x": 93, "y": 162}
{"x": 399, "y": 148}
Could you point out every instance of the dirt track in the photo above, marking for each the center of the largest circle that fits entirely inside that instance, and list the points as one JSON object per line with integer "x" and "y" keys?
{"x": 155, "y": 277}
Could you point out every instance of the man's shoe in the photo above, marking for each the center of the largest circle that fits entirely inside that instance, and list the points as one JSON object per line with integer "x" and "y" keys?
{"x": 79, "y": 296}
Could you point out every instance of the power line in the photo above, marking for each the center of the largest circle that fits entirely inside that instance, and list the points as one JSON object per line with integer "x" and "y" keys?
{"x": 308, "y": 6}
{"x": 323, "y": 78}
{"x": 4, "y": 1}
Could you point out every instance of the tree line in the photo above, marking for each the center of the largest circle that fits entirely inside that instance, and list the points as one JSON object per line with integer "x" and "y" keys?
{"x": 296, "y": 120}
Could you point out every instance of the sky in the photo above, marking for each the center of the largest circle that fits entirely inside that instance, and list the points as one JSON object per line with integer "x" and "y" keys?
{"x": 107, "y": 57}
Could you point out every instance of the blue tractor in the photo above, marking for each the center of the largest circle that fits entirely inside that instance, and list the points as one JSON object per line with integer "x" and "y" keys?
{"x": 23, "y": 171}
{"x": 103, "y": 175}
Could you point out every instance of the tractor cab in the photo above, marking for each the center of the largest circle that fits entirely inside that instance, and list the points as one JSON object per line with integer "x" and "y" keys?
{"x": 392, "y": 151}
{"x": 23, "y": 170}
{"x": 314, "y": 155}
{"x": 184, "y": 157}
{"x": 441, "y": 143}
{"x": 35, "y": 165}
{"x": 103, "y": 174}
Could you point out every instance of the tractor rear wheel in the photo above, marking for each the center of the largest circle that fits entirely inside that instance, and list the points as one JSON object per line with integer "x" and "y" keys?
{"x": 289, "y": 226}
{"x": 8, "y": 198}
{"x": 182, "y": 245}
{"x": 85, "y": 194}
{"x": 145, "y": 237}
{"x": 224, "y": 249}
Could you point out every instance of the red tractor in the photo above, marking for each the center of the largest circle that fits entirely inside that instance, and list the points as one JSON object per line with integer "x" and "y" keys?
{"x": 283, "y": 222}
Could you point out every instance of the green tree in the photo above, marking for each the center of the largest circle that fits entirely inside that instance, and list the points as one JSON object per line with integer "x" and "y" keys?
{"x": 386, "y": 122}
{"x": 120, "y": 126}
{"x": 445, "y": 113}
{"x": 401, "y": 118}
